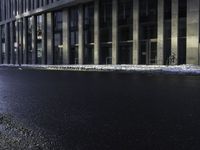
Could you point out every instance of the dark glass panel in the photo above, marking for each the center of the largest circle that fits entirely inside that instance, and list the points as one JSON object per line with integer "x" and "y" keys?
{"x": 30, "y": 40}
{"x": 125, "y": 54}
{"x": 106, "y": 54}
{"x": 39, "y": 40}
{"x": 58, "y": 40}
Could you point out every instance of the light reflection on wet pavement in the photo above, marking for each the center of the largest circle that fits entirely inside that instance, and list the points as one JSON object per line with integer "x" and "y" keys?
{"x": 104, "y": 111}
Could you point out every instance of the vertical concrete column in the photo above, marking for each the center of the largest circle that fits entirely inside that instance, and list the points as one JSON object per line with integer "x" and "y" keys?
{"x": 160, "y": 33}
{"x": 25, "y": 40}
{"x": 44, "y": 39}
{"x": 80, "y": 36}
{"x": 0, "y": 44}
{"x": 49, "y": 38}
{"x": 34, "y": 38}
{"x": 96, "y": 32}
{"x": 193, "y": 52}
{"x": 174, "y": 36}
{"x": 65, "y": 36}
{"x": 114, "y": 32}
{"x": 12, "y": 43}
{"x": 135, "y": 32}
{"x": 6, "y": 44}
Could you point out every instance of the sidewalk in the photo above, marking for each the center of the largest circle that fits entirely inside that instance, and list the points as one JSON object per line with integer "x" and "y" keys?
{"x": 182, "y": 69}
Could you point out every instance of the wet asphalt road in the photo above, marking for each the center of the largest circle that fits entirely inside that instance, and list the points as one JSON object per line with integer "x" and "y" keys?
{"x": 106, "y": 111}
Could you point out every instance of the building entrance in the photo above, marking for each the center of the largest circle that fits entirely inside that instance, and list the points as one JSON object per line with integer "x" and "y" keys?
{"x": 148, "y": 52}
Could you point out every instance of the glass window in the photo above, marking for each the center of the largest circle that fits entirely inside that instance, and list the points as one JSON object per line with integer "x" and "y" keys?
{"x": 148, "y": 31}
{"x": 105, "y": 21}
{"x": 125, "y": 54}
{"x": 167, "y": 30}
{"x": 39, "y": 50}
{"x": 182, "y": 31}
{"x": 89, "y": 33}
{"x": 58, "y": 39}
{"x": 106, "y": 54}
{"x": 125, "y": 20}
{"x": 73, "y": 27}
{"x": 3, "y": 43}
{"x": 89, "y": 23}
{"x": 8, "y": 40}
{"x": 15, "y": 43}
{"x": 30, "y": 40}
{"x": 125, "y": 31}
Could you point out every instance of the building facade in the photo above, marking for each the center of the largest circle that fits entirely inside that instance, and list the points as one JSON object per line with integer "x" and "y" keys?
{"x": 99, "y": 32}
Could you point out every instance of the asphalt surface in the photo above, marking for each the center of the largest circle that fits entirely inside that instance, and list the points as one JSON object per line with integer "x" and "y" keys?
{"x": 105, "y": 111}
